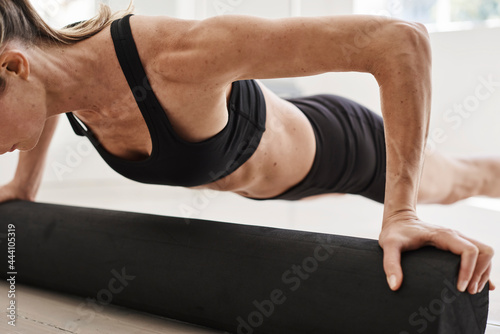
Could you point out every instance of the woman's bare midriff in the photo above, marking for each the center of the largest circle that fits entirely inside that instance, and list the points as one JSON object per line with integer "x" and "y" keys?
{"x": 283, "y": 158}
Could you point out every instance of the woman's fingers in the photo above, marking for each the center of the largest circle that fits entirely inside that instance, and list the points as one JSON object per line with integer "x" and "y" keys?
{"x": 483, "y": 267}
{"x": 450, "y": 240}
{"x": 409, "y": 234}
{"x": 481, "y": 272}
{"x": 484, "y": 279}
{"x": 392, "y": 265}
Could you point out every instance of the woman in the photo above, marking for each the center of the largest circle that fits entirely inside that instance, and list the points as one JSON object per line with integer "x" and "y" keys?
{"x": 171, "y": 101}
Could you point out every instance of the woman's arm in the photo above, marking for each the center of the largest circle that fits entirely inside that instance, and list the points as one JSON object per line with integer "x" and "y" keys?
{"x": 397, "y": 53}
{"x": 223, "y": 49}
{"x": 30, "y": 168}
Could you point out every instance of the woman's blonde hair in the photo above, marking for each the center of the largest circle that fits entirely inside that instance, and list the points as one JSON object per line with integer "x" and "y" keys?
{"x": 19, "y": 20}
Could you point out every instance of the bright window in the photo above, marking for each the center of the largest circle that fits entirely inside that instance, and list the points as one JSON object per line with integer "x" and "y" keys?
{"x": 436, "y": 14}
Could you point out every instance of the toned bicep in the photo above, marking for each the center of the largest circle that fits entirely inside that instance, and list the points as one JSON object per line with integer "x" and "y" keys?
{"x": 236, "y": 47}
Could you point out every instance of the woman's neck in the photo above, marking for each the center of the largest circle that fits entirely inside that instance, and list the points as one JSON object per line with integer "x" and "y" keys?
{"x": 74, "y": 76}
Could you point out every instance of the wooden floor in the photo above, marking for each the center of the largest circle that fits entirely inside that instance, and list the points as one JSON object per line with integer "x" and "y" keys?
{"x": 42, "y": 311}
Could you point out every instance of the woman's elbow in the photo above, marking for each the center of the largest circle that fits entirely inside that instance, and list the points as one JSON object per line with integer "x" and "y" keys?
{"x": 406, "y": 48}
{"x": 418, "y": 40}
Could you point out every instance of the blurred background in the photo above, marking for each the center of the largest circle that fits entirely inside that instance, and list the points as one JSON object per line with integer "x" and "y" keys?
{"x": 465, "y": 121}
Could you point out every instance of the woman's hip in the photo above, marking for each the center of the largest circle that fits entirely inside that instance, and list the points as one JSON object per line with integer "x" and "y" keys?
{"x": 350, "y": 149}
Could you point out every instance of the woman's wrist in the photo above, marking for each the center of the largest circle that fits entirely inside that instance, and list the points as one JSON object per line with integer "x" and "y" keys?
{"x": 400, "y": 200}
{"x": 25, "y": 189}
{"x": 391, "y": 217}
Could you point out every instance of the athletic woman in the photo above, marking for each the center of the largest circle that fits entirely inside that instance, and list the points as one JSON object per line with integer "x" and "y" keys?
{"x": 176, "y": 102}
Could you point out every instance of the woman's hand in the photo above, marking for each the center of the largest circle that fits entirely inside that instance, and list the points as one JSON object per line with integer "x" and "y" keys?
{"x": 404, "y": 231}
{"x": 15, "y": 191}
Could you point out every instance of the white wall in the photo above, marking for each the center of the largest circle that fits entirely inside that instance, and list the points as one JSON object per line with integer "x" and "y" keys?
{"x": 461, "y": 59}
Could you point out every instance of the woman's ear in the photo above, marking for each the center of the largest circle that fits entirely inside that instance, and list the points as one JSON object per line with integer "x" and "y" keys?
{"x": 14, "y": 62}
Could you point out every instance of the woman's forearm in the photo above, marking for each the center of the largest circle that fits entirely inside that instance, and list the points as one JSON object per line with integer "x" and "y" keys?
{"x": 31, "y": 164}
{"x": 405, "y": 89}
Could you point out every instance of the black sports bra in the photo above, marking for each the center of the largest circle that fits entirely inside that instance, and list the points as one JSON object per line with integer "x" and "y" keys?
{"x": 174, "y": 161}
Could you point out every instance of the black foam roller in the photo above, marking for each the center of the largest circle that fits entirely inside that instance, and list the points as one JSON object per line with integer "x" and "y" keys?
{"x": 236, "y": 278}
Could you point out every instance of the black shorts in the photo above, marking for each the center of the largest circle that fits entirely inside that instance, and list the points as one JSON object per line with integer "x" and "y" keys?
{"x": 350, "y": 149}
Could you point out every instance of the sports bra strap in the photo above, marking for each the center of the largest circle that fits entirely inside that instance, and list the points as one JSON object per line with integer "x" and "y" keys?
{"x": 130, "y": 62}
{"x": 79, "y": 129}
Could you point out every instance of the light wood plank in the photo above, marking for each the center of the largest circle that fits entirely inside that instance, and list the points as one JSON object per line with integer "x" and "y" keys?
{"x": 41, "y": 312}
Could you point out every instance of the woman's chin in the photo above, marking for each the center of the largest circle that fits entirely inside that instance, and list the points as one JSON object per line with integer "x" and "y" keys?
{"x": 23, "y": 147}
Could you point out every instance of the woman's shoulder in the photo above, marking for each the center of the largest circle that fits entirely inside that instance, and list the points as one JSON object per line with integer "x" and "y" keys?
{"x": 170, "y": 51}
{"x": 161, "y": 30}
{"x": 174, "y": 66}
{"x": 189, "y": 52}
{"x": 165, "y": 45}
